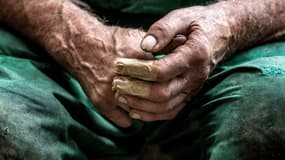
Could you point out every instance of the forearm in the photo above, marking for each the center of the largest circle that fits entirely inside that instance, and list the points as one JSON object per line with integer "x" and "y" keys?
{"x": 53, "y": 24}
{"x": 254, "y": 21}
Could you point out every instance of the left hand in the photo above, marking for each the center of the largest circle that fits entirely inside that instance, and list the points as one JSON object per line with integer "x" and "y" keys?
{"x": 171, "y": 81}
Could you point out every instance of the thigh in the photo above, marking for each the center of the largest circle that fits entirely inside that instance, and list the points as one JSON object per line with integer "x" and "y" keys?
{"x": 249, "y": 123}
{"x": 44, "y": 114}
{"x": 33, "y": 122}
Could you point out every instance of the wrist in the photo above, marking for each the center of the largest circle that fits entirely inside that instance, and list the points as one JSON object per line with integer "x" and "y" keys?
{"x": 253, "y": 22}
{"x": 233, "y": 17}
{"x": 76, "y": 38}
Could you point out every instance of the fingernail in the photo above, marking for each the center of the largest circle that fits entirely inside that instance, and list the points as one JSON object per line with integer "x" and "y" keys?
{"x": 149, "y": 43}
{"x": 135, "y": 116}
{"x": 123, "y": 100}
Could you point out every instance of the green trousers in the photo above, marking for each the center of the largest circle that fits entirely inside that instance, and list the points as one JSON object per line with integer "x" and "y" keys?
{"x": 45, "y": 115}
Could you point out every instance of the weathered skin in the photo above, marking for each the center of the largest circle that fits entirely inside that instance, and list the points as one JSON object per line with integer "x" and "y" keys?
{"x": 87, "y": 48}
{"x": 80, "y": 43}
{"x": 213, "y": 33}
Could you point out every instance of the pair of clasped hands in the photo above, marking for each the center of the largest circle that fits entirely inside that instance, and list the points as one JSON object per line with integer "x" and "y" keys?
{"x": 132, "y": 84}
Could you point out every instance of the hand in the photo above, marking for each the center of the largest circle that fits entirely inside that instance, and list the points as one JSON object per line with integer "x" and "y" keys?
{"x": 93, "y": 67}
{"x": 171, "y": 81}
{"x": 81, "y": 44}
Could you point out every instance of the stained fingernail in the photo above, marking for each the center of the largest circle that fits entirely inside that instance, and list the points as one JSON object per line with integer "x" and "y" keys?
{"x": 149, "y": 43}
{"x": 123, "y": 100}
{"x": 135, "y": 116}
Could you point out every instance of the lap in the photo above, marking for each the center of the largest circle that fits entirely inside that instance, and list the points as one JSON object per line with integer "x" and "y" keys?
{"x": 33, "y": 122}
{"x": 43, "y": 113}
{"x": 249, "y": 121}
{"x": 238, "y": 113}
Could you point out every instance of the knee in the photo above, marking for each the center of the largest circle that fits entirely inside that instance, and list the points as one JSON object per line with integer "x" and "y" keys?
{"x": 253, "y": 125}
{"x": 27, "y": 128}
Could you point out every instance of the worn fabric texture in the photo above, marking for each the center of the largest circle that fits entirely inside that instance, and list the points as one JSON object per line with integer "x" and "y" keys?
{"x": 45, "y": 115}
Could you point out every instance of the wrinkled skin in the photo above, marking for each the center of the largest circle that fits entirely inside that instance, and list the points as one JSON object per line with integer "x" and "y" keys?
{"x": 213, "y": 32}
{"x": 96, "y": 74}
{"x": 182, "y": 72}
{"x": 87, "y": 48}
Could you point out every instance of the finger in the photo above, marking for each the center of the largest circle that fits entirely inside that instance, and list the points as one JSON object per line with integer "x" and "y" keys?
{"x": 108, "y": 107}
{"x": 136, "y": 68}
{"x": 123, "y": 105}
{"x": 148, "y": 106}
{"x": 147, "y": 116}
{"x": 156, "y": 92}
{"x": 130, "y": 86}
{"x": 118, "y": 116}
{"x": 163, "y": 69}
{"x": 177, "y": 41}
{"x": 163, "y": 31}
{"x": 191, "y": 82}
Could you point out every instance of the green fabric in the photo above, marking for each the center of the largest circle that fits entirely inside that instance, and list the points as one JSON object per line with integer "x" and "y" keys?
{"x": 145, "y": 6}
{"x": 44, "y": 114}
{"x": 38, "y": 99}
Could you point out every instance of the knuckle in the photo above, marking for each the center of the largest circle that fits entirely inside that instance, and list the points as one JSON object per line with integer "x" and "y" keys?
{"x": 200, "y": 55}
{"x": 163, "y": 94}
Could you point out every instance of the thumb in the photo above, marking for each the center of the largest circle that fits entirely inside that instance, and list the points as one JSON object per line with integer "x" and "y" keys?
{"x": 162, "y": 32}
